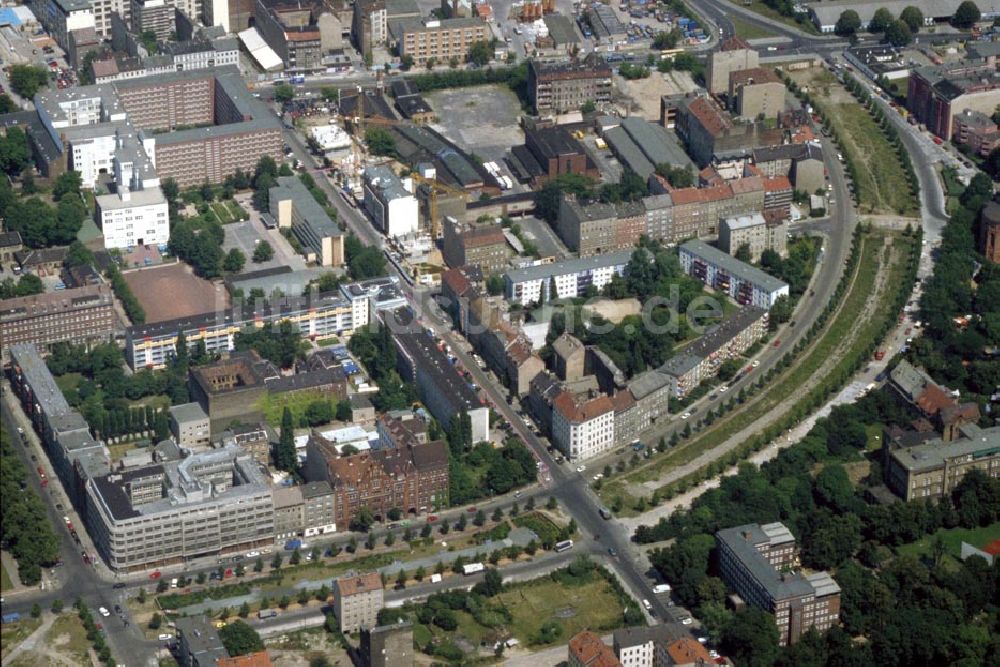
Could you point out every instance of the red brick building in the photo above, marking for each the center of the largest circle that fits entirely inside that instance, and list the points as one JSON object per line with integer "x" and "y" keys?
{"x": 412, "y": 477}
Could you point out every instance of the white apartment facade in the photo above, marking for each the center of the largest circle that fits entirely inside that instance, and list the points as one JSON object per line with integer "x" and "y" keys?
{"x": 583, "y": 431}
{"x": 390, "y": 203}
{"x": 130, "y": 219}
{"x": 567, "y": 279}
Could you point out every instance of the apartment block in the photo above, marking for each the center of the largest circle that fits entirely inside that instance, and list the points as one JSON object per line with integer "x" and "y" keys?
{"x": 745, "y": 284}
{"x": 319, "y": 508}
{"x": 758, "y": 561}
{"x": 371, "y": 20}
{"x": 567, "y": 279}
{"x": 251, "y": 438}
{"x": 388, "y": 645}
{"x": 441, "y": 388}
{"x": 357, "y": 601}
{"x": 734, "y": 55}
{"x": 442, "y": 40}
{"x": 390, "y": 202}
{"x": 936, "y": 94}
{"x": 976, "y": 130}
{"x": 583, "y": 429}
{"x": 479, "y": 244}
{"x": 81, "y": 315}
{"x": 289, "y": 520}
{"x": 155, "y": 16}
{"x": 412, "y": 477}
{"x": 555, "y": 88}
{"x": 212, "y": 502}
{"x": 801, "y": 163}
{"x": 644, "y": 646}
{"x": 933, "y": 469}
{"x": 128, "y": 218}
{"x": 315, "y": 315}
{"x": 200, "y": 52}
{"x": 294, "y": 208}
{"x": 755, "y": 233}
{"x": 587, "y": 650}
{"x": 291, "y": 28}
{"x": 63, "y": 17}
{"x": 597, "y": 228}
{"x": 756, "y": 93}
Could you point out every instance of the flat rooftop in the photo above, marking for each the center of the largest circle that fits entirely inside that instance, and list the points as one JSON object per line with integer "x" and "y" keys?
{"x": 733, "y": 266}
{"x": 542, "y": 271}
{"x": 420, "y": 348}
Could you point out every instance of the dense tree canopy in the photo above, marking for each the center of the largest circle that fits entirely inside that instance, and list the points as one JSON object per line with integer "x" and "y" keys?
{"x": 26, "y": 80}
{"x": 966, "y": 15}
{"x": 281, "y": 344}
{"x": 240, "y": 639}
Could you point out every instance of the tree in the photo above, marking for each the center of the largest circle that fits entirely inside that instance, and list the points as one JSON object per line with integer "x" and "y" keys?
{"x": 148, "y": 39}
{"x": 497, "y": 514}
{"x": 480, "y": 518}
{"x": 295, "y": 558}
{"x": 285, "y": 457}
{"x": 728, "y": 369}
{"x": 965, "y": 16}
{"x": 406, "y": 62}
{"x": 588, "y": 107}
{"x": 743, "y": 253}
{"x": 495, "y": 284}
{"x": 155, "y": 621}
{"x": 234, "y": 261}
{"x": 284, "y": 93}
{"x": 848, "y": 23}
{"x": 751, "y": 638}
{"x": 363, "y": 520}
{"x": 244, "y": 610}
{"x": 913, "y": 17}
{"x": 263, "y": 252}
{"x": 240, "y": 639}
{"x": 14, "y": 154}
{"x": 678, "y": 177}
{"x": 401, "y": 578}
{"x": 480, "y": 52}
{"x": 7, "y": 104}
{"x": 26, "y": 80}
{"x": 881, "y": 20}
{"x": 68, "y": 182}
{"x": 380, "y": 141}
{"x": 898, "y": 33}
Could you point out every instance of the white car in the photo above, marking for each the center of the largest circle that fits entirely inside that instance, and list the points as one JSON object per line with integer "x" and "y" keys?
{"x": 103, "y": 612}
{"x": 645, "y": 603}
{"x": 165, "y": 637}
{"x": 598, "y": 476}
{"x": 685, "y": 415}
{"x": 724, "y": 388}
{"x": 756, "y": 363}
{"x": 581, "y": 468}
{"x": 840, "y": 157}
{"x": 687, "y": 621}
{"x": 253, "y": 554}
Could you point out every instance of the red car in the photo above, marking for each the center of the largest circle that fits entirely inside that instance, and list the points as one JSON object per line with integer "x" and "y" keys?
{"x": 777, "y": 343}
{"x": 154, "y": 575}
{"x": 431, "y": 519}
{"x": 471, "y": 510}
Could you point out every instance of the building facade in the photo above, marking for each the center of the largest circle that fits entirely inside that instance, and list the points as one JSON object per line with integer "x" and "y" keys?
{"x": 936, "y": 94}
{"x": 390, "y": 203}
{"x": 583, "y": 430}
{"x": 82, "y": 315}
{"x": 480, "y": 244}
{"x": 190, "y": 426}
{"x": 733, "y": 56}
{"x": 294, "y": 208}
{"x": 388, "y": 645}
{"x": 755, "y": 233}
{"x": 989, "y": 232}
{"x": 933, "y": 469}
{"x": 566, "y": 279}
{"x": 130, "y": 219}
{"x": 440, "y": 40}
{"x": 745, "y": 284}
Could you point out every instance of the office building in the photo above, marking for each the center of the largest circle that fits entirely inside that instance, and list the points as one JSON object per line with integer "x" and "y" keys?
{"x": 478, "y": 244}
{"x": 555, "y": 88}
{"x": 369, "y": 297}
{"x": 82, "y": 315}
{"x": 587, "y": 650}
{"x": 756, "y": 93}
{"x": 596, "y": 228}
{"x": 547, "y": 153}
{"x": 702, "y": 359}
{"x": 989, "y": 232}
{"x": 440, "y": 40}
{"x": 190, "y": 426}
{"x": 412, "y": 477}
{"x": 319, "y": 508}
{"x": 757, "y": 562}
{"x": 936, "y": 94}
{"x": 390, "y": 202}
{"x": 583, "y": 429}
{"x": 128, "y": 219}
{"x": 567, "y": 279}
{"x": 755, "y": 233}
{"x": 319, "y": 315}
{"x": 63, "y": 17}
{"x": 932, "y": 470}
{"x": 745, "y": 284}
{"x": 294, "y": 208}
{"x": 734, "y": 55}
{"x": 357, "y": 600}
{"x": 213, "y": 502}
{"x": 153, "y": 16}
{"x": 441, "y": 388}
{"x": 65, "y": 435}
{"x": 388, "y": 645}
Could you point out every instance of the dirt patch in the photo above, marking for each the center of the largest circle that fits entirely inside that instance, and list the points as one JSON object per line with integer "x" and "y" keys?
{"x": 173, "y": 292}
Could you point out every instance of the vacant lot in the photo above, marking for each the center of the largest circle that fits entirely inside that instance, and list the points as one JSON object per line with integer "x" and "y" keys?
{"x": 760, "y": 8}
{"x": 880, "y": 179}
{"x": 173, "y": 291}
{"x": 748, "y": 30}
{"x": 13, "y": 634}
{"x": 482, "y": 119}
{"x": 981, "y": 538}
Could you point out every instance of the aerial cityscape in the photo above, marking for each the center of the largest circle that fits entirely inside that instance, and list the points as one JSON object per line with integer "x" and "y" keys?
{"x": 584, "y": 333}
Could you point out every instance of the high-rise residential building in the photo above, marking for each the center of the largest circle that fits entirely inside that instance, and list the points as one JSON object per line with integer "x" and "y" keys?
{"x": 555, "y": 88}
{"x": 357, "y": 601}
{"x": 81, "y": 315}
{"x": 758, "y": 561}
{"x": 211, "y": 502}
{"x": 154, "y": 16}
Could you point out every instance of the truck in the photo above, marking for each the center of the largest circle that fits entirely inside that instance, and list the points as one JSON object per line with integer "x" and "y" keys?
{"x": 298, "y": 79}
{"x": 659, "y": 589}
{"x": 472, "y": 568}
{"x": 605, "y": 513}
{"x": 292, "y": 545}
{"x": 266, "y": 613}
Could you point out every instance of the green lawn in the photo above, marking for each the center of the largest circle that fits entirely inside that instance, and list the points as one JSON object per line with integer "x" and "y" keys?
{"x": 272, "y": 405}
{"x": 68, "y": 382}
{"x": 222, "y": 212}
{"x": 785, "y": 386}
{"x": 68, "y": 633}
{"x": 874, "y": 433}
{"x": 953, "y": 538}
{"x": 748, "y": 30}
{"x": 12, "y": 634}
{"x": 593, "y": 606}
{"x": 5, "y": 582}
{"x": 237, "y": 211}
{"x": 759, "y": 7}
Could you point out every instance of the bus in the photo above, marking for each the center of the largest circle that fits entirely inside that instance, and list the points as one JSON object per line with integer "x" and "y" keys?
{"x": 472, "y": 568}
{"x": 565, "y": 545}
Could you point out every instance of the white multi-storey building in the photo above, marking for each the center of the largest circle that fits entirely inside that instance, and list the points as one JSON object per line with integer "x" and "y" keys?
{"x": 745, "y": 284}
{"x": 129, "y": 218}
{"x": 390, "y": 202}
{"x": 583, "y": 430}
{"x": 563, "y": 280}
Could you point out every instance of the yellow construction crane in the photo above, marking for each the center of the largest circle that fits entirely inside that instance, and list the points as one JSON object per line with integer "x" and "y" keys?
{"x": 433, "y": 185}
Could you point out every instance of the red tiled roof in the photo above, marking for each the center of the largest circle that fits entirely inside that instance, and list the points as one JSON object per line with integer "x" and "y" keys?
{"x": 686, "y": 651}
{"x": 362, "y": 583}
{"x": 747, "y": 184}
{"x": 753, "y": 75}
{"x": 734, "y": 43}
{"x": 259, "y": 659}
{"x": 584, "y": 412}
{"x": 711, "y": 117}
{"x": 682, "y": 196}
{"x": 456, "y": 280}
{"x": 623, "y": 400}
{"x": 933, "y": 400}
{"x": 777, "y": 183}
{"x": 589, "y": 650}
